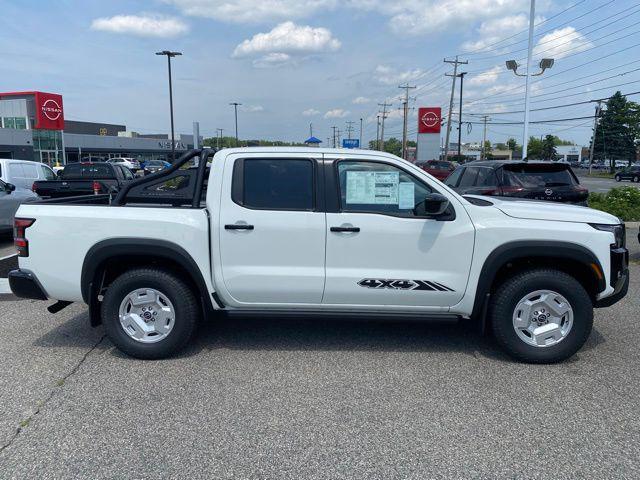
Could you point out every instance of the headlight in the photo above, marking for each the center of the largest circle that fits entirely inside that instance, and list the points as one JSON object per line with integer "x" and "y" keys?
{"x": 617, "y": 230}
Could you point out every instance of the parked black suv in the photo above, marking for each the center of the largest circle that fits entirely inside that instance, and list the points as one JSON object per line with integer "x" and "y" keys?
{"x": 515, "y": 178}
{"x": 630, "y": 173}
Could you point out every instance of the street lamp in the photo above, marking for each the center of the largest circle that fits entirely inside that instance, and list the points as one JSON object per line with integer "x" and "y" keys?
{"x": 170, "y": 55}
{"x": 544, "y": 64}
{"x": 235, "y": 107}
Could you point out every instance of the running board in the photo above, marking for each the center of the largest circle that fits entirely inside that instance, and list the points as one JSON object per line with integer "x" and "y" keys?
{"x": 421, "y": 316}
{"x": 59, "y": 305}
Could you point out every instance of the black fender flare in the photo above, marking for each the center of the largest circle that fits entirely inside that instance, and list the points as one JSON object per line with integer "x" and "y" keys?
{"x": 102, "y": 251}
{"x": 511, "y": 251}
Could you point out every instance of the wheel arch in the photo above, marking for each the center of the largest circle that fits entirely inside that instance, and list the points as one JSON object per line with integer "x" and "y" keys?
{"x": 511, "y": 257}
{"x": 107, "y": 259}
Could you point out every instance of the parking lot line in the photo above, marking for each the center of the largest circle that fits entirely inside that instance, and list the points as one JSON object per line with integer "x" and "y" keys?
{"x": 8, "y": 256}
{"x": 4, "y": 286}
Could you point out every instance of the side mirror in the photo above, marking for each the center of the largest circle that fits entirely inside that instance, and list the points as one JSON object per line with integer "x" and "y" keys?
{"x": 9, "y": 187}
{"x": 435, "y": 204}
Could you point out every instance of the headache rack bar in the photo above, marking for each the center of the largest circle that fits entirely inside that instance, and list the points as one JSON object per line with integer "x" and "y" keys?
{"x": 175, "y": 185}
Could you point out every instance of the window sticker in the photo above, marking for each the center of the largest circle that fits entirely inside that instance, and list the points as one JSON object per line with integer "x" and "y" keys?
{"x": 407, "y": 195}
{"x": 372, "y": 187}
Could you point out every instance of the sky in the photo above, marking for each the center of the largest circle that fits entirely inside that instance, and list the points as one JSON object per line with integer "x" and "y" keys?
{"x": 326, "y": 62}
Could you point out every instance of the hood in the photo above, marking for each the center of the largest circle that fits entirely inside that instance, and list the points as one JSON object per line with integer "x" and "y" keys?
{"x": 540, "y": 210}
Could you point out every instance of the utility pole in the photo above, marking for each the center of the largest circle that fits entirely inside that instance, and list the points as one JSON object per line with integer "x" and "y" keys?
{"x": 378, "y": 132}
{"x": 461, "y": 75}
{"x": 310, "y": 130}
{"x": 219, "y": 135}
{"x": 405, "y": 107}
{"x": 361, "y": 134}
{"x": 455, "y": 63}
{"x": 349, "y": 128}
{"x": 593, "y": 138}
{"x": 235, "y": 108}
{"x": 334, "y": 128}
{"x": 338, "y": 144}
{"x": 384, "y": 115}
{"x": 483, "y": 154}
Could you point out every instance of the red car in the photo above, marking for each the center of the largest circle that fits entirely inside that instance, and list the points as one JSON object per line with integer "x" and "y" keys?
{"x": 439, "y": 169}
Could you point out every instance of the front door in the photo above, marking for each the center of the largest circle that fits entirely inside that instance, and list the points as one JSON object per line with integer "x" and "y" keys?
{"x": 382, "y": 251}
{"x": 272, "y": 231}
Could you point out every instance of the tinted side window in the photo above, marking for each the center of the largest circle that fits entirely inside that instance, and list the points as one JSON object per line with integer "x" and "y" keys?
{"x": 380, "y": 188}
{"x": 276, "y": 184}
{"x": 486, "y": 178}
{"x": 469, "y": 177}
{"x": 452, "y": 180}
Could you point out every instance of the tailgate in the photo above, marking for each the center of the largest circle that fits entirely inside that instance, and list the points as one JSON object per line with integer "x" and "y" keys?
{"x": 63, "y": 188}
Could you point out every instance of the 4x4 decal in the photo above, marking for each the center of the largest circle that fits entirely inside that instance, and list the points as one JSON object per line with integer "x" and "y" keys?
{"x": 398, "y": 284}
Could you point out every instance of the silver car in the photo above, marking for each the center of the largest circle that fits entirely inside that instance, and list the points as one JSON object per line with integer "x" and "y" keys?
{"x": 10, "y": 199}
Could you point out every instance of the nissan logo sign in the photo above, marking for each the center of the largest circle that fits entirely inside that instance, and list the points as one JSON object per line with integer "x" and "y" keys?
{"x": 51, "y": 110}
{"x": 430, "y": 119}
{"x": 548, "y": 191}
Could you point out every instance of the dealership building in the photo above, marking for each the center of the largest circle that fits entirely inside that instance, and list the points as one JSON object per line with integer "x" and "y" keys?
{"x": 32, "y": 127}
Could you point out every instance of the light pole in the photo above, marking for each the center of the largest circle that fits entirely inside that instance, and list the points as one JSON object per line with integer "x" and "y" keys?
{"x": 170, "y": 55}
{"x": 361, "y": 134}
{"x": 235, "y": 108}
{"x": 513, "y": 65}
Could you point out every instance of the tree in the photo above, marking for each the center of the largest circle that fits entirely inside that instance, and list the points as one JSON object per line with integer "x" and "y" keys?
{"x": 501, "y": 146}
{"x": 549, "y": 147}
{"x": 512, "y": 144}
{"x": 486, "y": 150}
{"x": 534, "y": 149}
{"x": 617, "y": 130}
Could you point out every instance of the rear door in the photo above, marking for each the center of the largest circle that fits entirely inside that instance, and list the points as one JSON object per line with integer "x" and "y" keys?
{"x": 272, "y": 230}
{"x": 382, "y": 252}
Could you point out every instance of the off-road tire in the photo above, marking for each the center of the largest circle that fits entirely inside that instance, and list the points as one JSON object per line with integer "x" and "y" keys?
{"x": 187, "y": 312}
{"x": 503, "y": 303}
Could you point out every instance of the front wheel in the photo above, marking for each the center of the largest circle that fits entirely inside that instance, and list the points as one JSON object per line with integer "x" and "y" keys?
{"x": 618, "y": 178}
{"x": 149, "y": 313}
{"x": 541, "y": 316}
{"x": 636, "y": 179}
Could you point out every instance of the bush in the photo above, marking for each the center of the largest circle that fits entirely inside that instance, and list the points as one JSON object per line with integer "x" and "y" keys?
{"x": 623, "y": 202}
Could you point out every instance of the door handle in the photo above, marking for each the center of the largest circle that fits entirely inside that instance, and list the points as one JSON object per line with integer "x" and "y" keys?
{"x": 345, "y": 229}
{"x": 238, "y": 226}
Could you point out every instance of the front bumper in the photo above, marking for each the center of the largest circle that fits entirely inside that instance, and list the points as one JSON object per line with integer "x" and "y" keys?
{"x": 24, "y": 284}
{"x": 619, "y": 277}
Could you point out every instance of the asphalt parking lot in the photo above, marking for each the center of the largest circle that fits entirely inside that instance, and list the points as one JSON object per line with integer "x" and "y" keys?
{"x": 601, "y": 185}
{"x": 299, "y": 398}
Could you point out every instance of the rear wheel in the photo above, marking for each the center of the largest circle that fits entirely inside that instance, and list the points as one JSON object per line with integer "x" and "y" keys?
{"x": 618, "y": 178}
{"x": 636, "y": 179}
{"x": 149, "y": 313}
{"x": 541, "y": 316}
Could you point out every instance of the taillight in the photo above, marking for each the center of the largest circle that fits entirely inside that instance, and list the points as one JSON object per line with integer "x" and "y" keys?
{"x": 510, "y": 190}
{"x": 33, "y": 187}
{"x": 19, "y": 238}
{"x": 96, "y": 188}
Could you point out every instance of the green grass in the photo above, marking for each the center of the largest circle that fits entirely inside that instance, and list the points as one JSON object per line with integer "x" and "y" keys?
{"x": 623, "y": 202}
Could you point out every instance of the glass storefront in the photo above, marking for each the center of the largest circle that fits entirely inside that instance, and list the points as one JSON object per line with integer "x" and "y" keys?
{"x": 47, "y": 147}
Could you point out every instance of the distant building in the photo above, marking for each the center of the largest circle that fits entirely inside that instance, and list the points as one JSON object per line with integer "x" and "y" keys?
{"x": 569, "y": 153}
{"x": 312, "y": 142}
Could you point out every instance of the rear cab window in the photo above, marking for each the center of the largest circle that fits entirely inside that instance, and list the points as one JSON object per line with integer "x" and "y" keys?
{"x": 538, "y": 175}
{"x": 87, "y": 170}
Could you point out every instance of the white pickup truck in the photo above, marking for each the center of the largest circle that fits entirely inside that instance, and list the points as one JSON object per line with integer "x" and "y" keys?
{"x": 319, "y": 231}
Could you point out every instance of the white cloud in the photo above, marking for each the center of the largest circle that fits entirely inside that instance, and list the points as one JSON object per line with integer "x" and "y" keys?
{"x": 360, "y": 100}
{"x": 252, "y": 108}
{"x": 492, "y": 31}
{"x": 389, "y": 76}
{"x": 286, "y": 43}
{"x": 310, "y": 112}
{"x": 406, "y": 17}
{"x": 486, "y": 77}
{"x": 144, "y": 25}
{"x": 558, "y": 43}
{"x": 337, "y": 113}
{"x": 252, "y": 11}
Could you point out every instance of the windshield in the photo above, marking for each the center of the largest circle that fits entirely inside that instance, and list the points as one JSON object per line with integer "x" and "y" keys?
{"x": 538, "y": 175}
{"x": 88, "y": 170}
